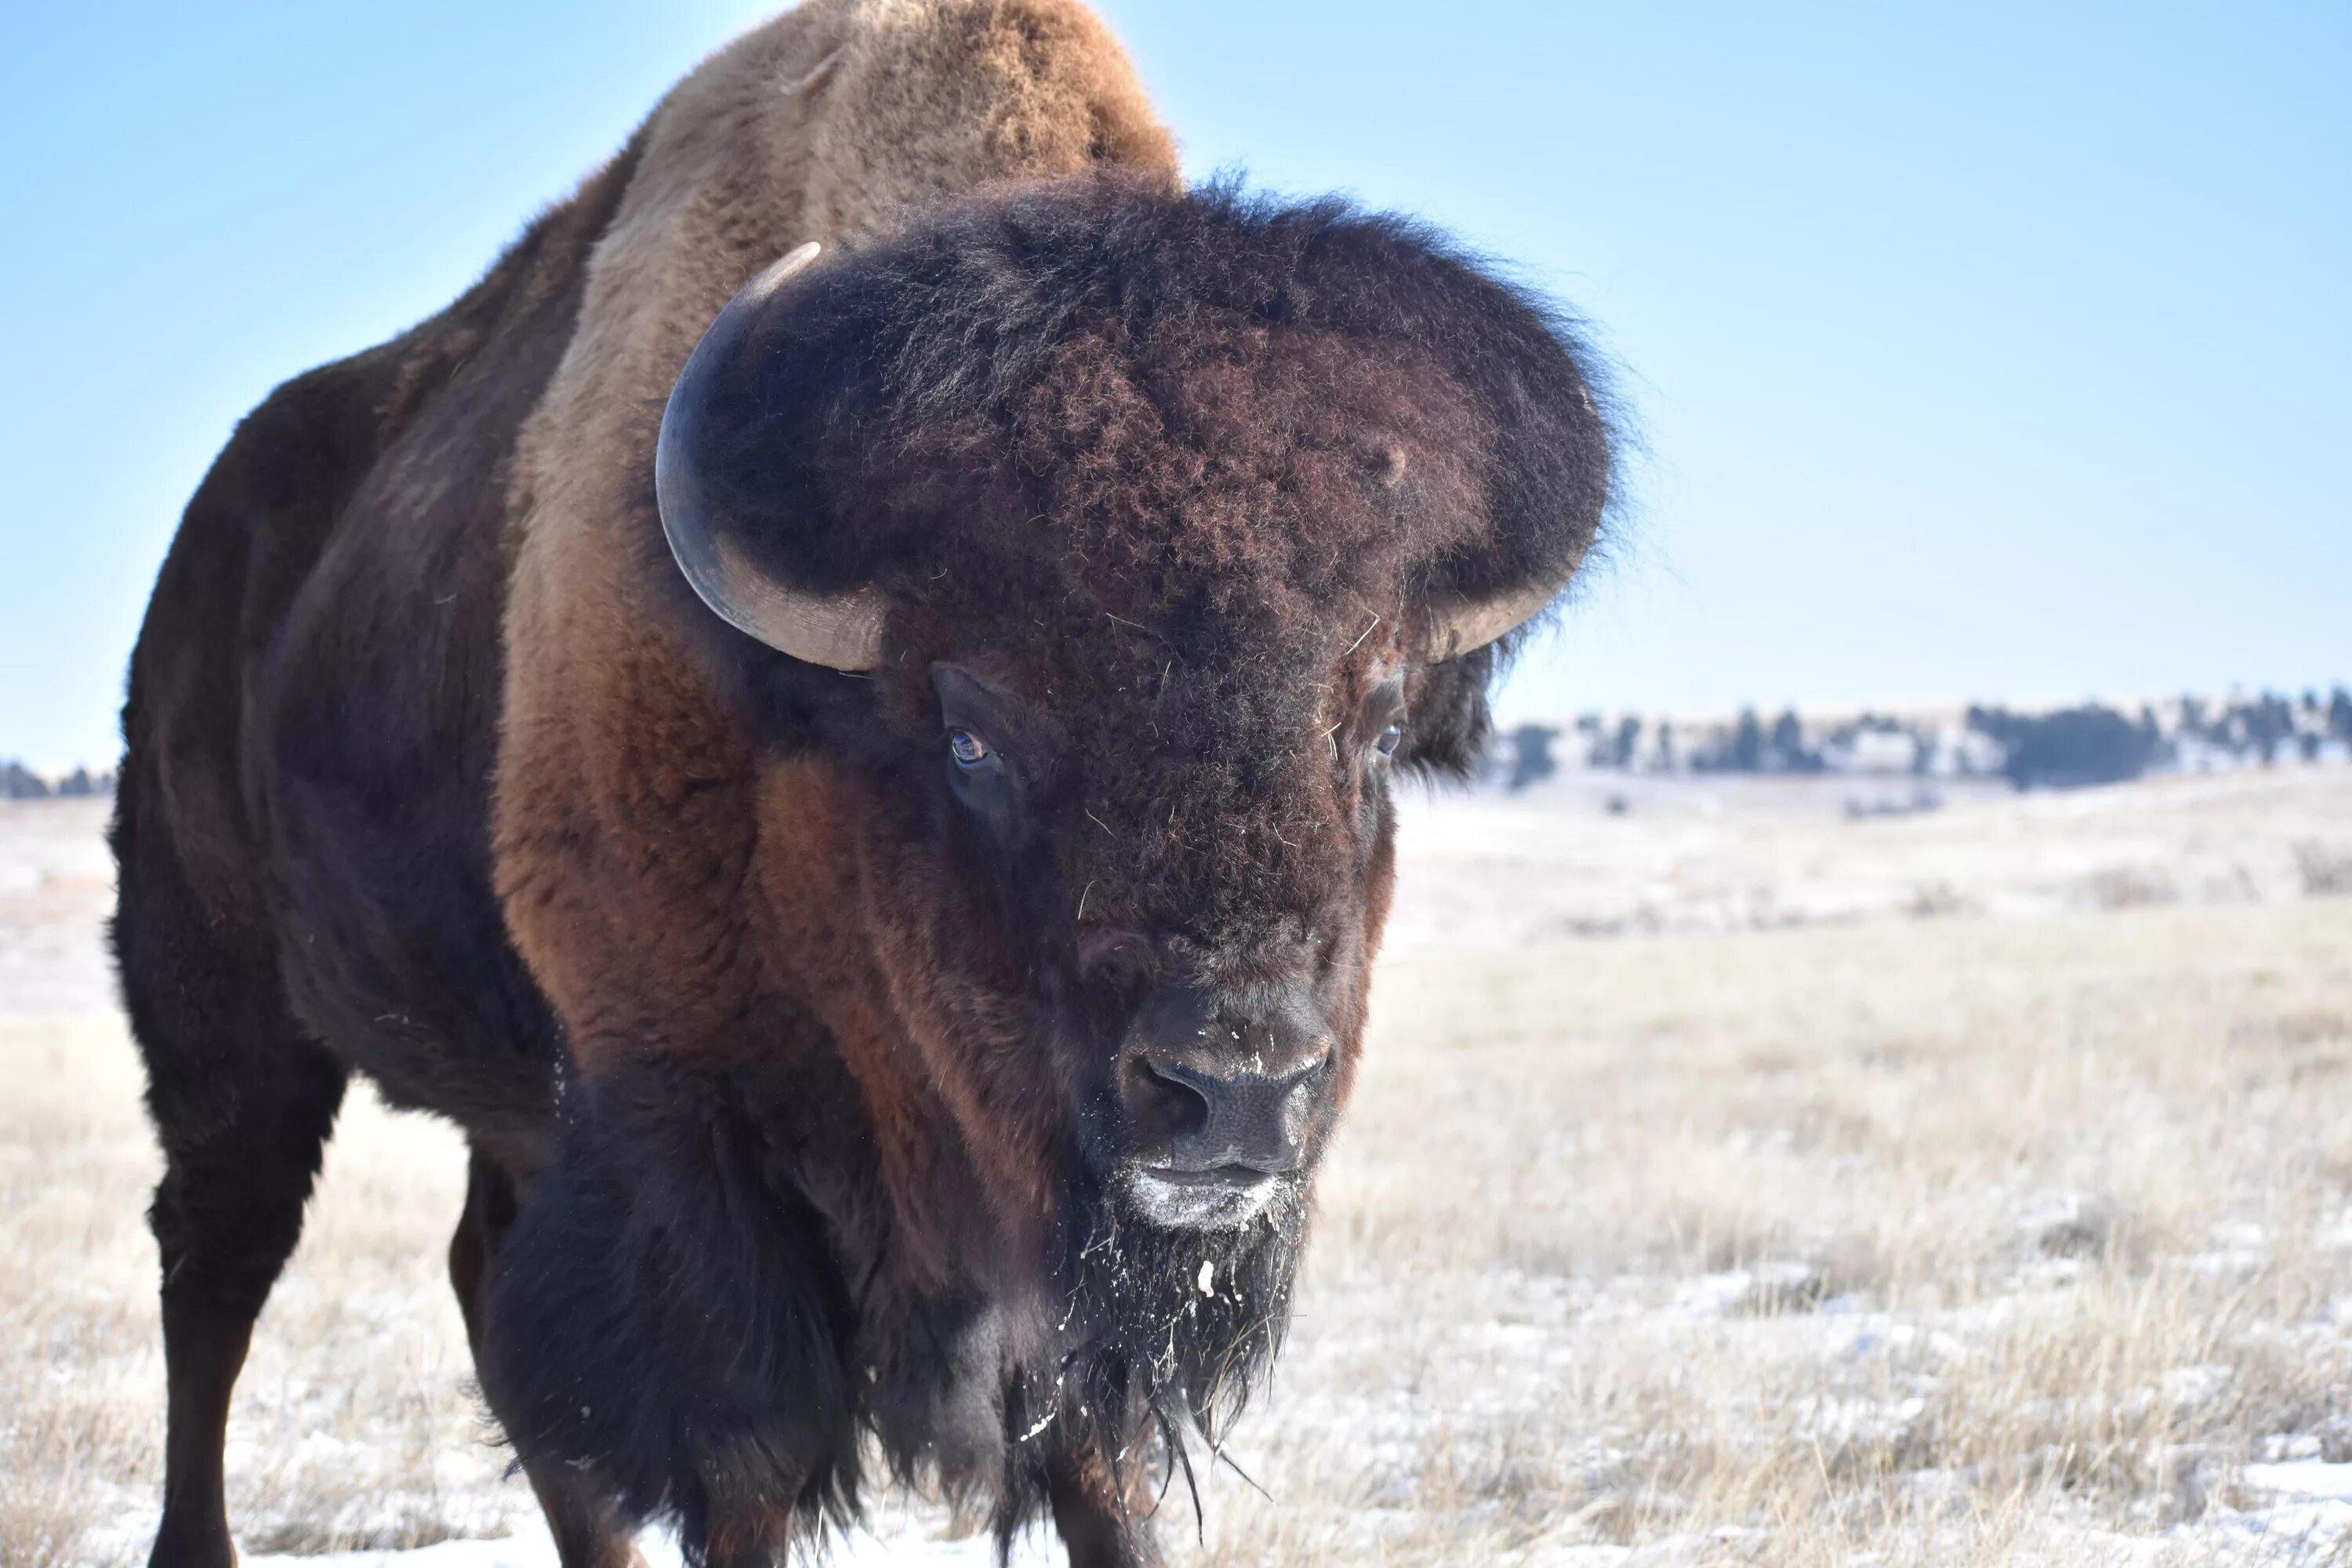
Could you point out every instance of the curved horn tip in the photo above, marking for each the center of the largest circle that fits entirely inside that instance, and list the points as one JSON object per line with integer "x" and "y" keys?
{"x": 777, "y": 272}
{"x": 1459, "y": 624}
{"x": 840, "y": 631}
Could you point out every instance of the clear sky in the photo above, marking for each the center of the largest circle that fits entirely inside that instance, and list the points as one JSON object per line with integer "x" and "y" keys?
{"x": 1984, "y": 350}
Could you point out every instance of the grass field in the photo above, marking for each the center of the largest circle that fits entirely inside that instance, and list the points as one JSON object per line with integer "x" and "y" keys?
{"x": 2009, "y": 1221}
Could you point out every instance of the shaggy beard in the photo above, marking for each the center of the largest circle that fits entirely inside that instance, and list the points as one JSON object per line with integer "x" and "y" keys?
{"x": 1165, "y": 1332}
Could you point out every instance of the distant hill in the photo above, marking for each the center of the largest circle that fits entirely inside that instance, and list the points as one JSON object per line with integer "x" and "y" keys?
{"x": 2061, "y": 748}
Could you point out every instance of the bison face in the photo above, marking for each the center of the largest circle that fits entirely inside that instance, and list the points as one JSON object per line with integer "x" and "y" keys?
{"x": 1193, "y": 899}
{"x": 1156, "y": 530}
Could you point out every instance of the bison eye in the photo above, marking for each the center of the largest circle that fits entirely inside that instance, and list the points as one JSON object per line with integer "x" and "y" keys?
{"x": 968, "y": 749}
{"x": 1390, "y": 739}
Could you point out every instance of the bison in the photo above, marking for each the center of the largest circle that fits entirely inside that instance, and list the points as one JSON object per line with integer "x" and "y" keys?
{"x": 870, "y": 805}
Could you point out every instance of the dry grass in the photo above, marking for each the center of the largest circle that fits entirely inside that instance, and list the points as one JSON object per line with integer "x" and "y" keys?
{"x": 1963, "y": 1240}
{"x": 1830, "y": 1235}
{"x": 352, "y": 1426}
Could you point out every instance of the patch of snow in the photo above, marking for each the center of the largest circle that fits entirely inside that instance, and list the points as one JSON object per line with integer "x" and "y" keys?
{"x": 910, "y": 1535}
{"x": 2283, "y": 1446}
{"x": 1575, "y": 1557}
{"x": 1782, "y": 1284}
{"x": 2301, "y": 1477}
{"x": 2285, "y": 1537}
{"x": 2191, "y": 1388}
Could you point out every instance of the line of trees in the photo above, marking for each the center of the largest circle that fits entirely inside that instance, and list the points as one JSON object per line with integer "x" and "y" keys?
{"x": 2070, "y": 748}
{"x": 2089, "y": 744}
{"x": 19, "y": 781}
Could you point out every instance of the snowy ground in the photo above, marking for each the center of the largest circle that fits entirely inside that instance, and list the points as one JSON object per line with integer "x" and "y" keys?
{"x": 1731, "y": 1181}
{"x": 1606, "y": 853}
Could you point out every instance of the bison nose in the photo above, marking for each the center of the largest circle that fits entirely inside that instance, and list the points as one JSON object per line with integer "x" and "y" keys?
{"x": 1236, "y": 1114}
{"x": 1244, "y": 1125}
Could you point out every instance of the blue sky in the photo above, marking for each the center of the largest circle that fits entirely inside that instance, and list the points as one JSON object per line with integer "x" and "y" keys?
{"x": 1987, "y": 349}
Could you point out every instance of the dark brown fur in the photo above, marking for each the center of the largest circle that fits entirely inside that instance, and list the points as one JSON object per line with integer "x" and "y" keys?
{"x": 302, "y": 823}
{"x": 799, "y": 1075}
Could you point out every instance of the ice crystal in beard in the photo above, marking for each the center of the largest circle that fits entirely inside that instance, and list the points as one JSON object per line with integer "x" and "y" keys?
{"x": 1172, "y": 1326}
{"x": 1199, "y": 1206}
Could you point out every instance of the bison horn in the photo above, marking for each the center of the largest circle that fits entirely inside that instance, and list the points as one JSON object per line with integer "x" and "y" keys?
{"x": 840, "y": 630}
{"x": 1458, "y": 624}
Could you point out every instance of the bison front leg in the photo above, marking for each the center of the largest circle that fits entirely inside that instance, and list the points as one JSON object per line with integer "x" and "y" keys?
{"x": 588, "y": 1532}
{"x": 1096, "y": 1510}
{"x": 757, "y": 1537}
{"x": 667, "y": 1321}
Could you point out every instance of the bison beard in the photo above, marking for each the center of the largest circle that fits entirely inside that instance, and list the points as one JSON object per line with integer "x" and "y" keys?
{"x": 1169, "y": 1327}
{"x": 676, "y": 1315}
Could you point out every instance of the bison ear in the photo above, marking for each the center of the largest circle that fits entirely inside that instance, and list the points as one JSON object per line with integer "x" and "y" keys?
{"x": 1550, "y": 465}
{"x": 1450, "y": 721}
{"x": 709, "y": 539}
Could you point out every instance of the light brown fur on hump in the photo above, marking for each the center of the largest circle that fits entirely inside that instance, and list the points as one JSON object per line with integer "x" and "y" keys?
{"x": 625, "y": 820}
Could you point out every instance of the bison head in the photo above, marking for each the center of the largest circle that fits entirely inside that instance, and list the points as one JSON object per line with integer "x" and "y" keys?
{"x": 1113, "y": 551}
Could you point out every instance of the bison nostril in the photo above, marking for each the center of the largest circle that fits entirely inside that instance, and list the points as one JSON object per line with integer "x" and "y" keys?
{"x": 1173, "y": 1101}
